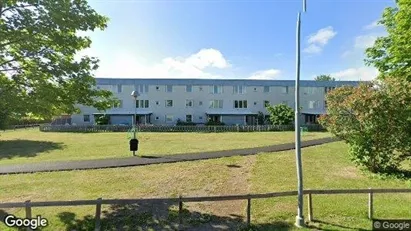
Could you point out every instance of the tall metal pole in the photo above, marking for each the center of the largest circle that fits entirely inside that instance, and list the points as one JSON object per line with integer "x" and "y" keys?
{"x": 299, "y": 220}
{"x": 135, "y": 121}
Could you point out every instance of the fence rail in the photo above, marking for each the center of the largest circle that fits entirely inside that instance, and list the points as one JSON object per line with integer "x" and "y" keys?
{"x": 174, "y": 128}
{"x": 28, "y": 205}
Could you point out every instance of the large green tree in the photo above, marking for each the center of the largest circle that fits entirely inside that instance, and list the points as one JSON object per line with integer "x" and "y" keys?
{"x": 39, "y": 73}
{"x": 391, "y": 54}
{"x": 324, "y": 78}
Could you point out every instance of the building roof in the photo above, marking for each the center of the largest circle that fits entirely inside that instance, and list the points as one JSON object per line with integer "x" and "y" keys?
{"x": 245, "y": 82}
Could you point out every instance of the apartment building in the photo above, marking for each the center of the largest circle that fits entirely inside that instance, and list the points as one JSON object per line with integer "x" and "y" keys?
{"x": 231, "y": 101}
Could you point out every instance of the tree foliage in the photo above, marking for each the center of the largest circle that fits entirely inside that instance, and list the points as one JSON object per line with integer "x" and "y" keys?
{"x": 280, "y": 114}
{"x": 39, "y": 73}
{"x": 324, "y": 78}
{"x": 375, "y": 120}
{"x": 391, "y": 54}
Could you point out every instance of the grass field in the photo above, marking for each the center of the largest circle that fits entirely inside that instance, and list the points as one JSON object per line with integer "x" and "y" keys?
{"x": 325, "y": 167}
{"x": 29, "y": 146}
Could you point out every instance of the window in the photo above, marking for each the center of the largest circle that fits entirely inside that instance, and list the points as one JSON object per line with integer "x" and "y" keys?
{"x": 119, "y": 104}
{"x": 141, "y": 88}
{"x": 310, "y": 90}
{"x": 216, "y": 104}
{"x": 216, "y": 89}
{"x": 240, "y": 103}
{"x": 312, "y": 104}
{"x": 284, "y": 90}
{"x": 189, "y": 118}
{"x": 266, "y": 88}
{"x": 255, "y": 103}
{"x": 119, "y": 88}
{"x": 266, "y": 103}
{"x": 189, "y": 88}
{"x": 200, "y": 118}
{"x": 157, "y": 88}
{"x": 157, "y": 118}
{"x": 169, "y": 88}
{"x": 157, "y": 103}
{"x": 311, "y": 119}
{"x": 142, "y": 104}
{"x": 255, "y": 89}
{"x": 325, "y": 104}
{"x": 200, "y": 103}
{"x": 98, "y": 87}
{"x": 169, "y": 118}
{"x": 86, "y": 118}
{"x": 169, "y": 103}
{"x": 200, "y": 88}
{"x": 189, "y": 103}
{"x": 239, "y": 89}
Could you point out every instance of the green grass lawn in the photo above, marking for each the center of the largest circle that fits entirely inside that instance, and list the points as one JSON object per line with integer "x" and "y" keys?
{"x": 31, "y": 145}
{"x": 325, "y": 167}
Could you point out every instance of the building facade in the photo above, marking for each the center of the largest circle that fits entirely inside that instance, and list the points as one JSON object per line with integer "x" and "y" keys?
{"x": 231, "y": 101}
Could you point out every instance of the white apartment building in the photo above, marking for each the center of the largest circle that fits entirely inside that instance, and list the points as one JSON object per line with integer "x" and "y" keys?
{"x": 231, "y": 101}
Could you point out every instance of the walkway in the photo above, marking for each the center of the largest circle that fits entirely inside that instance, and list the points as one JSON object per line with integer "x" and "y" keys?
{"x": 146, "y": 160}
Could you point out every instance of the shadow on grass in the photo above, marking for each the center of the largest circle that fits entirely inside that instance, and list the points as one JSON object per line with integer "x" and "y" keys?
{"x": 233, "y": 166}
{"x": 151, "y": 157}
{"x": 25, "y": 148}
{"x": 336, "y": 226}
{"x": 160, "y": 216}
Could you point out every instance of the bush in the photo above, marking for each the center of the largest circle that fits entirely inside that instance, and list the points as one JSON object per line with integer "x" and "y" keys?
{"x": 214, "y": 123}
{"x": 280, "y": 114}
{"x": 102, "y": 119}
{"x": 184, "y": 123}
{"x": 375, "y": 120}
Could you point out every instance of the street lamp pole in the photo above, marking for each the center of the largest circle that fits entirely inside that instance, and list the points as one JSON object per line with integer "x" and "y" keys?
{"x": 135, "y": 94}
{"x": 299, "y": 220}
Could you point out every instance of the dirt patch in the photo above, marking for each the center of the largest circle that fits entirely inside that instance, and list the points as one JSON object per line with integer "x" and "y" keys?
{"x": 233, "y": 211}
{"x": 348, "y": 173}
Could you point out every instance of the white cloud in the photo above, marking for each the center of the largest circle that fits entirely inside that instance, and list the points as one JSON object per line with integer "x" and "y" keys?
{"x": 364, "y": 41}
{"x": 266, "y": 74}
{"x": 318, "y": 40}
{"x": 372, "y": 25}
{"x": 355, "y": 74}
{"x": 312, "y": 49}
{"x": 126, "y": 65}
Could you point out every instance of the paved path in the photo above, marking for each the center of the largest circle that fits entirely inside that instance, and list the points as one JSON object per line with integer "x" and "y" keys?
{"x": 137, "y": 161}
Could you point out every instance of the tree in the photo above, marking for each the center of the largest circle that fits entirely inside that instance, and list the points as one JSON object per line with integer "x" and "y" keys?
{"x": 261, "y": 118}
{"x": 280, "y": 114}
{"x": 391, "y": 54}
{"x": 324, "y": 78}
{"x": 374, "y": 119}
{"x": 38, "y": 70}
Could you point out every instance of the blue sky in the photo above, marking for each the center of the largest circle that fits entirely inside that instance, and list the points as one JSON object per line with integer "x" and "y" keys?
{"x": 235, "y": 38}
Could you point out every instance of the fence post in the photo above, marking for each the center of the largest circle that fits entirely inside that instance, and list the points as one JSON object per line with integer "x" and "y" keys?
{"x": 28, "y": 212}
{"x": 310, "y": 207}
{"x": 248, "y": 211}
{"x": 370, "y": 204}
{"x": 180, "y": 213}
{"x": 98, "y": 214}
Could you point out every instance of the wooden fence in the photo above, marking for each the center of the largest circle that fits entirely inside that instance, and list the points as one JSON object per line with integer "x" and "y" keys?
{"x": 174, "y": 128}
{"x": 28, "y": 205}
